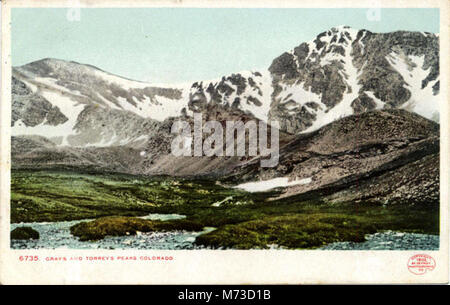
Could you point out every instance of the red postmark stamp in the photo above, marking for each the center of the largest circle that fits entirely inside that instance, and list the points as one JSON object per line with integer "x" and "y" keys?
{"x": 421, "y": 263}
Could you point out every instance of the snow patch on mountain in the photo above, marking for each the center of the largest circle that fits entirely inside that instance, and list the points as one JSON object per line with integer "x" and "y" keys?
{"x": 122, "y": 82}
{"x": 264, "y": 82}
{"x": 67, "y": 106}
{"x": 351, "y": 75}
{"x": 423, "y": 100}
{"x": 266, "y": 185}
{"x": 379, "y": 103}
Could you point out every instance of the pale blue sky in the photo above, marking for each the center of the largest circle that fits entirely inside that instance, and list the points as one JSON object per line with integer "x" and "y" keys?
{"x": 187, "y": 44}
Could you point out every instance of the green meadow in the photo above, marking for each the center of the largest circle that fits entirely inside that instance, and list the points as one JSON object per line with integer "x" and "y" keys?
{"x": 242, "y": 220}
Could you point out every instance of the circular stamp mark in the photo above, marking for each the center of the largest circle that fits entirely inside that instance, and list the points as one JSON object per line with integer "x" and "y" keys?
{"x": 421, "y": 263}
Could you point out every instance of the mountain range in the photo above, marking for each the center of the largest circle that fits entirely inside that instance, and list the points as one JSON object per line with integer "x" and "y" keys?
{"x": 353, "y": 107}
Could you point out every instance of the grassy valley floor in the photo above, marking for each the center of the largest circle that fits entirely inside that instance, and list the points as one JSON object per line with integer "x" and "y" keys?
{"x": 242, "y": 220}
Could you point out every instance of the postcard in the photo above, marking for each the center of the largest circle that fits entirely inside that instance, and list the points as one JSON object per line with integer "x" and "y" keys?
{"x": 224, "y": 142}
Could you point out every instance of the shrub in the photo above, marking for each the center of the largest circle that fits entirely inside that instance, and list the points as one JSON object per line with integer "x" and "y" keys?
{"x": 24, "y": 233}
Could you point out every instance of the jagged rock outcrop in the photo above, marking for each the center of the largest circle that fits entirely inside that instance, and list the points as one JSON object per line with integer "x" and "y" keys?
{"x": 344, "y": 71}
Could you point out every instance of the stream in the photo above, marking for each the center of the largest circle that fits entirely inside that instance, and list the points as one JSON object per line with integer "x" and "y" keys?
{"x": 56, "y": 235}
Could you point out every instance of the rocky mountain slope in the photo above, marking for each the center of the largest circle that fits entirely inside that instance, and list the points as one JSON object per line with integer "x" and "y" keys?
{"x": 379, "y": 156}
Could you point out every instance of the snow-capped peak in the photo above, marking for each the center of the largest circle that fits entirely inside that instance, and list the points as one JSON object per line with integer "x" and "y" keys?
{"x": 336, "y": 74}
